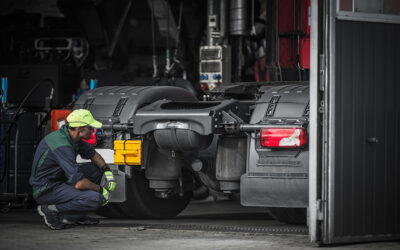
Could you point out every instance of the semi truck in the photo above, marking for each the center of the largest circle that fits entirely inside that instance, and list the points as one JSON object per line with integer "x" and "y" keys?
{"x": 165, "y": 142}
{"x": 245, "y": 138}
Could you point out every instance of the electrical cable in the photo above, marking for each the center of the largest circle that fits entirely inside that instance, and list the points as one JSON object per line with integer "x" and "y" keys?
{"x": 6, "y": 164}
{"x": 167, "y": 56}
{"x": 16, "y": 140}
{"x": 1, "y": 103}
{"x": 153, "y": 42}
{"x": 170, "y": 66}
{"x": 2, "y": 128}
{"x": 178, "y": 32}
{"x": 48, "y": 111}
{"x": 13, "y": 119}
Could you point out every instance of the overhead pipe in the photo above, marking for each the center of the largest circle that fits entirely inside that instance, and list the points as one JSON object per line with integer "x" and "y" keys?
{"x": 278, "y": 43}
{"x": 223, "y": 19}
{"x": 210, "y": 11}
{"x": 296, "y": 49}
{"x": 238, "y": 27}
{"x": 270, "y": 41}
{"x": 298, "y": 38}
{"x": 238, "y": 18}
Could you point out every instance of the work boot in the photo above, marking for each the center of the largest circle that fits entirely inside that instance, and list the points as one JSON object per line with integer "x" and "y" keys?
{"x": 81, "y": 221}
{"x": 51, "y": 218}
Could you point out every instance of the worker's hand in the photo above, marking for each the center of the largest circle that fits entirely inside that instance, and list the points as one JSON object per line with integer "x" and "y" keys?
{"x": 109, "y": 180}
{"x": 106, "y": 195}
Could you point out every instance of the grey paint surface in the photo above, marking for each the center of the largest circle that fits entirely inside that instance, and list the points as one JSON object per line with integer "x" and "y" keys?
{"x": 366, "y": 172}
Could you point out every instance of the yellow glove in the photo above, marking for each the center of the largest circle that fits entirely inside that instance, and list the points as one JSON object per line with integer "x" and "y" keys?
{"x": 109, "y": 180}
{"x": 106, "y": 195}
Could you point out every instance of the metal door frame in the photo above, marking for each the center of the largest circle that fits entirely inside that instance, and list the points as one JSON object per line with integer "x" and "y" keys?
{"x": 315, "y": 127}
{"x": 329, "y": 123}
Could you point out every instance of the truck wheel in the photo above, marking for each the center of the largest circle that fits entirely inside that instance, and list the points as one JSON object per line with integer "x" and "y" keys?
{"x": 289, "y": 215}
{"x": 111, "y": 210}
{"x": 141, "y": 202}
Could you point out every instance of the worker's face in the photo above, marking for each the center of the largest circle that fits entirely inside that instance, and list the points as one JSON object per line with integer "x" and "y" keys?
{"x": 85, "y": 132}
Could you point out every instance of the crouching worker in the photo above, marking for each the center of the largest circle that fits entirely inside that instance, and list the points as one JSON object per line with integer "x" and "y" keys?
{"x": 65, "y": 191}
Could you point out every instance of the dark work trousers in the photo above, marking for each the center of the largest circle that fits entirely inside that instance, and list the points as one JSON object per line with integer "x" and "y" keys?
{"x": 74, "y": 203}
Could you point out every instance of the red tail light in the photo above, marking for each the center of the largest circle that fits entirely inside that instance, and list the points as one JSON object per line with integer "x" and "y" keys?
{"x": 283, "y": 137}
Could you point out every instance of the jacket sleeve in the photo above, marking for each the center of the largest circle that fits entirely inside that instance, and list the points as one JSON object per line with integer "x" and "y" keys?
{"x": 86, "y": 150}
{"x": 66, "y": 159}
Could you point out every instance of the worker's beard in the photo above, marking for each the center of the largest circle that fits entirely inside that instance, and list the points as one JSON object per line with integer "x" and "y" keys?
{"x": 87, "y": 137}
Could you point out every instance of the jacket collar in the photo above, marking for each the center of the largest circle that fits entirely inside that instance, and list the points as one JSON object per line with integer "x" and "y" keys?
{"x": 64, "y": 130}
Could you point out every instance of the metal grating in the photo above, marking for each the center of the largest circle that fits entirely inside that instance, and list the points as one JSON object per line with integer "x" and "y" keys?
{"x": 270, "y": 229}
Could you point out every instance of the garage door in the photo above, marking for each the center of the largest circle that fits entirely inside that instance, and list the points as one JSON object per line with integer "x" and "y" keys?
{"x": 360, "y": 177}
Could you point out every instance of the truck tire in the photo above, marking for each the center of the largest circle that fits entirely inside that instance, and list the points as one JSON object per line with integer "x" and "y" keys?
{"x": 141, "y": 202}
{"x": 111, "y": 210}
{"x": 297, "y": 216}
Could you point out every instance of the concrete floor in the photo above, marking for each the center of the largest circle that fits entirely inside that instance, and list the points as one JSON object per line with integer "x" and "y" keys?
{"x": 24, "y": 229}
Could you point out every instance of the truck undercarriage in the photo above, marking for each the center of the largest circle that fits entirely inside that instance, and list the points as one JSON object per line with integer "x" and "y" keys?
{"x": 173, "y": 143}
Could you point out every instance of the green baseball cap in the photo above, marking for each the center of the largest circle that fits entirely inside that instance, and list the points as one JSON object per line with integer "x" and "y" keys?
{"x": 82, "y": 117}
